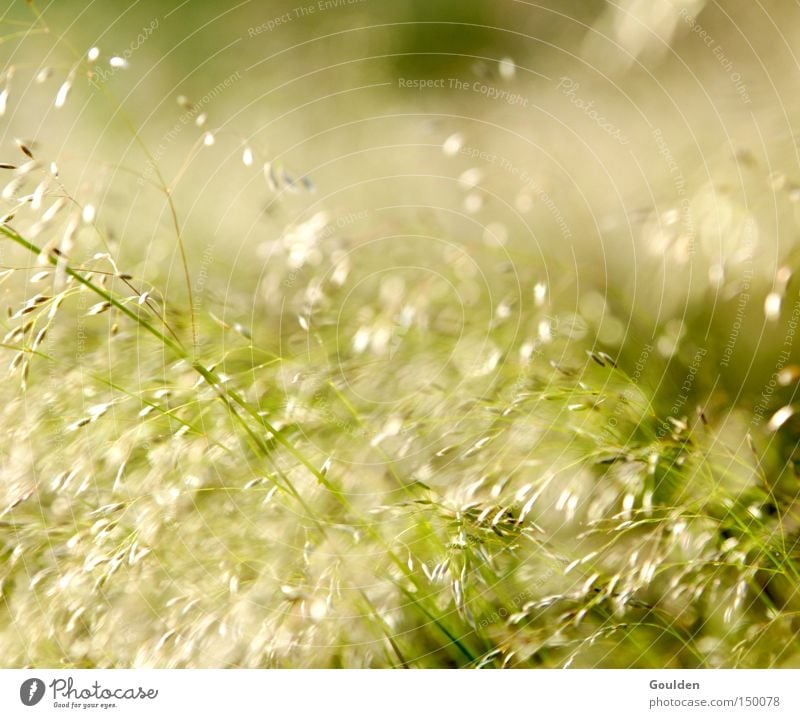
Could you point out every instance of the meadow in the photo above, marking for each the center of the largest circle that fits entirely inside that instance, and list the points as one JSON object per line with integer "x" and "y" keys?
{"x": 342, "y": 335}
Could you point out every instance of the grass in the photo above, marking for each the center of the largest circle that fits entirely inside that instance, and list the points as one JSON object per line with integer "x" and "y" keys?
{"x": 405, "y": 456}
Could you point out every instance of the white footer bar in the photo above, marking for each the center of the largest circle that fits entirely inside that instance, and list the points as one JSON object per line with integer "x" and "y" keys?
{"x": 400, "y": 694}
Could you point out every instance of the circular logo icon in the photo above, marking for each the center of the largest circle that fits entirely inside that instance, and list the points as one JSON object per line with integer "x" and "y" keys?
{"x": 31, "y": 691}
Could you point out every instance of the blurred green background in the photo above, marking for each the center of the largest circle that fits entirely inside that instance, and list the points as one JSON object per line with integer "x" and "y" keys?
{"x": 419, "y": 201}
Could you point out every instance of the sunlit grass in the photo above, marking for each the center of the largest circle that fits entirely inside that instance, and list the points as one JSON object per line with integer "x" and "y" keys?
{"x": 371, "y": 452}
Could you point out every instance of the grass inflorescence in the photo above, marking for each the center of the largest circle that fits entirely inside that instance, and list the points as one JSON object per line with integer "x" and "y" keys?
{"x": 365, "y": 471}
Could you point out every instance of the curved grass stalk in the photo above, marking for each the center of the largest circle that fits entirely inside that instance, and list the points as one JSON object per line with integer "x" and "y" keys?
{"x": 234, "y": 401}
{"x": 161, "y": 181}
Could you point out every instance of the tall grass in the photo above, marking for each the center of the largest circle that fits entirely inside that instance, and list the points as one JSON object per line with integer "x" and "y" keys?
{"x": 412, "y": 453}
